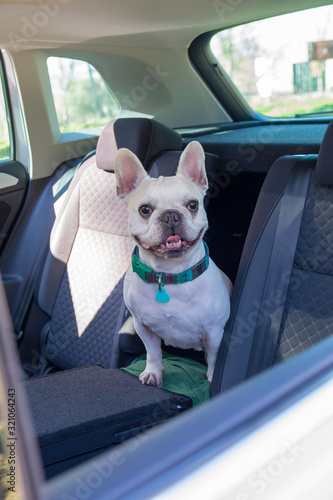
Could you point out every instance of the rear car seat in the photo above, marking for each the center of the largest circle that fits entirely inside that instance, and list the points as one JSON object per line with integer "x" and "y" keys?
{"x": 90, "y": 250}
{"x": 301, "y": 297}
{"x": 83, "y": 408}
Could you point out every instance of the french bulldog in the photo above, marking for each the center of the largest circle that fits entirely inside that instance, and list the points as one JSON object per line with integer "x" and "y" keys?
{"x": 173, "y": 290}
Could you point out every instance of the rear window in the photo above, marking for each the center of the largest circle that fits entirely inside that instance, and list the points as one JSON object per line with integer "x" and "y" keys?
{"x": 83, "y": 101}
{"x": 283, "y": 65}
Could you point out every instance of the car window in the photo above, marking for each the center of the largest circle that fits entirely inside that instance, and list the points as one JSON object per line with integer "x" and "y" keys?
{"x": 5, "y": 151}
{"x": 283, "y": 65}
{"x": 82, "y": 99}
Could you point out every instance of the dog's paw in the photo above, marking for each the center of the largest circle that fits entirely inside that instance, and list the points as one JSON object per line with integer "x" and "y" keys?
{"x": 151, "y": 378}
{"x": 209, "y": 376}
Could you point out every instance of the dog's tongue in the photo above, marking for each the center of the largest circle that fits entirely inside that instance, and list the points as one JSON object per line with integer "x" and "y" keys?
{"x": 173, "y": 242}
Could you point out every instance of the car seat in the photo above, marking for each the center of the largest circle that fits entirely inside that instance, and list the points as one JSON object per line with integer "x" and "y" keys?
{"x": 283, "y": 295}
{"x": 90, "y": 250}
{"x": 89, "y": 404}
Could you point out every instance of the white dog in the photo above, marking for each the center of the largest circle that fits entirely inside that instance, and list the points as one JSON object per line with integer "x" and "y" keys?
{"x": 173, "y": 290}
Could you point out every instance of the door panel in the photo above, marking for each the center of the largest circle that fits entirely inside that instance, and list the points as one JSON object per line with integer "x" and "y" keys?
{"x": 13, "y": 185}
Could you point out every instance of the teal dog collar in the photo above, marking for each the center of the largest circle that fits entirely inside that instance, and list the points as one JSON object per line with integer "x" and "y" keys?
{"x": 148, "y": 275}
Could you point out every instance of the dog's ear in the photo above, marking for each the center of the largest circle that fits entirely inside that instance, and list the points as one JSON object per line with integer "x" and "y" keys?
{"x": 192, "y": 165}
{"x": 129, "y": 172}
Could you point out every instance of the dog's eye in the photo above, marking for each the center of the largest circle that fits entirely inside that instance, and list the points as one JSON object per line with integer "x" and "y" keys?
{"x": 145, "y": 210}
{"x": 193, "y": 206}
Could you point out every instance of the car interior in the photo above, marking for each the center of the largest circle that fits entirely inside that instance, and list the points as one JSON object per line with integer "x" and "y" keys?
{"x": 64, "y": 233}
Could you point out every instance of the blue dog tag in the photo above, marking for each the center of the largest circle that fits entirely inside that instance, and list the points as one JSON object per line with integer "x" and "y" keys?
{"x": 162, "y": 296}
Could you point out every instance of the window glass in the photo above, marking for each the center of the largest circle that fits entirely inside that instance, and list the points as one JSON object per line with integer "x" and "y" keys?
{"x": 283, "y": 65}
{"x": 82, "y": 99}
{"x": 4, "y": 131}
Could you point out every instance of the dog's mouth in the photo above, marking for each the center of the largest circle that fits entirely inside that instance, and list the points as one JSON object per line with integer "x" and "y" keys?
{"x": 173, "y": 246}
{"x": 173, "y": 243}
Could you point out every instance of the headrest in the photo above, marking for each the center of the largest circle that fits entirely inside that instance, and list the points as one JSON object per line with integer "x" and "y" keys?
{"x": 167, "y": 164}
{"x": 324, "y": 167}
{"x": 144, "y": 137}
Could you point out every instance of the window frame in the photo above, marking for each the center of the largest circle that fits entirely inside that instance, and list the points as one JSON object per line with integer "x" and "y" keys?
{"x": 82, "y": 134}
{"x": 8, "y": 110}
{"x": 226, "y": 92}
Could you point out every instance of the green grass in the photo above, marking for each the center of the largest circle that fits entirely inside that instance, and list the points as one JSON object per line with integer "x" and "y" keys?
{"x": 4, "y": 149}
{"x": 289, "y": 108}
{"x": 78, "y": 127}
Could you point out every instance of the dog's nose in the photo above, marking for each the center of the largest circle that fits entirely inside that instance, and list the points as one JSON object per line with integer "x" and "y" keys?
{"x": 171, "y": 219}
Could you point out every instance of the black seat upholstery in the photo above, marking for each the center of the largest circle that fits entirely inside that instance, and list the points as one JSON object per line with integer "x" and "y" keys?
{"x": 307, "y": 314}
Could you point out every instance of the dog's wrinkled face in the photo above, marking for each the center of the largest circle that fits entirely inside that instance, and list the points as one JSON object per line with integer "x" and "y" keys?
{"x": 166, "y": 215}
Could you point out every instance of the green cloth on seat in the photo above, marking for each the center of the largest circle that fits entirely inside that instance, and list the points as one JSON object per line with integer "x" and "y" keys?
{"x": 181, "y": 375}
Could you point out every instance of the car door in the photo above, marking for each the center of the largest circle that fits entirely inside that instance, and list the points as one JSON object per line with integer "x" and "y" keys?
{"x": 14, "y": 177}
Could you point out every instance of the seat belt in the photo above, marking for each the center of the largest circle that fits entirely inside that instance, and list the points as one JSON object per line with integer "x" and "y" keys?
{"x": 259, "y": 353}
{"x": 25, "y": 294}
{"x": 24, "y": 297}
{"x": 280, "y": 266}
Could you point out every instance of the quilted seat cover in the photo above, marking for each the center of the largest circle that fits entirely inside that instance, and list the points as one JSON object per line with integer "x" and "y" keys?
{"x": 85, "y": 313}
